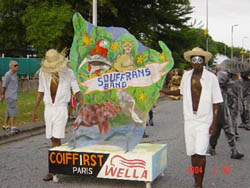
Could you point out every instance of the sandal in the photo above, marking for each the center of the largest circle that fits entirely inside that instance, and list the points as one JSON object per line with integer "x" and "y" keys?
{"x": 48, "y": 177}
{"x": 6, "y": 127}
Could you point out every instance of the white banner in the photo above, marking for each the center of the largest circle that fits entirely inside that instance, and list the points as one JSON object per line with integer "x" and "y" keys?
{"x": 141, "y": 77}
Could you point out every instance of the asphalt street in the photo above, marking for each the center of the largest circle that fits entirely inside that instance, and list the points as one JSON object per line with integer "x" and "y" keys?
{"x": 24, "y": 163}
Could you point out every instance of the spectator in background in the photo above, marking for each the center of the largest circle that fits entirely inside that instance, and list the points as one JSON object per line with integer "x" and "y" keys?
{"x": 174, "y": 83}
{"x": 224, "y": 120}
{"x": 234, "y": 92}
{"x": 246, "y": 99}
{"x": 9, "y": 93}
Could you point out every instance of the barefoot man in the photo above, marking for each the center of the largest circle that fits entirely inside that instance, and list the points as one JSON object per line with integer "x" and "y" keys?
{"x": 55, "y": 84}
{"x": 201, "y": 98}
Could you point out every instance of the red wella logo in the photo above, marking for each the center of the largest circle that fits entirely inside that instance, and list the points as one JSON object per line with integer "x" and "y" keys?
{"x": 121, "y": 167}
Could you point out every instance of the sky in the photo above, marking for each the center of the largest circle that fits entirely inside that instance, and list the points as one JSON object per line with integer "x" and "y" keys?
{"x": 222, "y": 14}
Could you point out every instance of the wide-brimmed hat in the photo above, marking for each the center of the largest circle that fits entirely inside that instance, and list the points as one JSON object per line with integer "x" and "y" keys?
{"x": 197, "y": 52}
{"x": 54, "y": 61}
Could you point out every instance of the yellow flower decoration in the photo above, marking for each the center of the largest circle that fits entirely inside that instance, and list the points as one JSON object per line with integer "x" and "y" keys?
{"x": 86, "y": 40}
{"x": 140, "y": 59}
{"x": 114, "y": 46}
{"x": 141, "y": 97}
{"x": 163, "y": 57}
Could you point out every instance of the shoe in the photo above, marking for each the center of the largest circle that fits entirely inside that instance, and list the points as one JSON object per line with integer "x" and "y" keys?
{"x": 211, "y": 151}
{"x": 242, "y": 125}
{"x": 48, "y": 177}
{"x": 151, "y": 123}
{"x": 14, "y": 130}
{"x": 247, "y": 127}
{"x": 237, "y": 137}
{"x": 145, "y": 135}
{"x": 6, "y": 127}
{"x": 236, "y": 155}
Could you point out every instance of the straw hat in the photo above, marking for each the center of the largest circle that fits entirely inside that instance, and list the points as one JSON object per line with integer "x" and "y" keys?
{"x": 54, "y": 61}
{"x": 197, "y": 52}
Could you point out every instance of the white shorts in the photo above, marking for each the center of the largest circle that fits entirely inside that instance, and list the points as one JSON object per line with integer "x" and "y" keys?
{"x": 196, "y": 137}
{"x": 56, "y": 118}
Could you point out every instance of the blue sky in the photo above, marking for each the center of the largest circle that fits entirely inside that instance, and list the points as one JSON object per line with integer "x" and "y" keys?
{"x": 222, "y": 14}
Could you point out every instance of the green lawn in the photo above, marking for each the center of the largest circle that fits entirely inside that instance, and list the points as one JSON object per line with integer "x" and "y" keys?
{"x": 25, "y": 105}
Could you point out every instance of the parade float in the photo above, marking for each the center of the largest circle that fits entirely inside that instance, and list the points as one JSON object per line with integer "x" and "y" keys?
{"x": 120, "y": 80}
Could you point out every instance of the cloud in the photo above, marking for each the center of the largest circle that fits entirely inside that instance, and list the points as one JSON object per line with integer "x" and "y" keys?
{"x": 222, "y": 15}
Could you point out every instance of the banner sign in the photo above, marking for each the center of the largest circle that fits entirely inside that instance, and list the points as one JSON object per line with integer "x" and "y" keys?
{"x": 145, "y": 163}
{"x": 141, "y": 77}
{"x": 74, "y": 163}
{"x": 120, "y": 79}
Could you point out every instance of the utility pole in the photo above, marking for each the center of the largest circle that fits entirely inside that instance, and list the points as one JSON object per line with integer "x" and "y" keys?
{"x": 242, "y": 57}
{"x": 206, "y": 30}
{"x": 94, "y": 21}
{"x": 232, "y": 48}
{"x": 225, "y": 50}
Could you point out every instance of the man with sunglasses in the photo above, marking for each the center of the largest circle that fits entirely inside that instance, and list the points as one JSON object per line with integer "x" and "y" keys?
{"x": 201, "y": 98}
{"x": 9, "y": 93}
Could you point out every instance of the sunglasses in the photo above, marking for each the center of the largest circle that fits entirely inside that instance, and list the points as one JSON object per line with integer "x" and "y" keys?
{"x": 16, "y": 65}
{"x": 197, "y": 60}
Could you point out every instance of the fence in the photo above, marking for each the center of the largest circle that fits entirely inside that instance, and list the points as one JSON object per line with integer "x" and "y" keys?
{"x": 27, "y": 66}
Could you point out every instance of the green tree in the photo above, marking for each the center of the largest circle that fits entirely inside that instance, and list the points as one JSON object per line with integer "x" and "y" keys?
{"x": 42, "y": 24}
{"x": 13, "y": 32}
{"x": 46, "y": 25}
{"x": 151, "y": 21}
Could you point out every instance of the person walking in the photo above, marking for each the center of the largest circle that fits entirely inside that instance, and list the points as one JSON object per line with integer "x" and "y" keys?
{"x": 224, "y": 121}
{"x": 201, "y": 98}
{"x": 246, "y": 99}
{"x": 55, "y": 83}
{"x": 9, "y": 94}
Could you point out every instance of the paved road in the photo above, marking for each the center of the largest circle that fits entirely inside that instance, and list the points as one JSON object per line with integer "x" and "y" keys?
{"x": 24, "y": 163}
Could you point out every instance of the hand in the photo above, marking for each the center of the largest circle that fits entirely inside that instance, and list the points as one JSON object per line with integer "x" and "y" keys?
{"x": 162, "y": 92}
{"x": 2, "y": 98}
{"x": 34, "y": 116}
{"x": 212, "y": 129}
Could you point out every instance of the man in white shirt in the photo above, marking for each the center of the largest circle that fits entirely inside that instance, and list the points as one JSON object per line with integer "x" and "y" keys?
{"x": 201, "y": 98}
{"x": 55, "y": 84}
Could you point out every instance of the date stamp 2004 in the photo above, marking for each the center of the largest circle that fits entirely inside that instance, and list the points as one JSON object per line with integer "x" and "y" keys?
{"x": 198, "y": 170}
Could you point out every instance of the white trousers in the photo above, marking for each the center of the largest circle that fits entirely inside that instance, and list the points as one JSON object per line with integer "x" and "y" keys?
{"x": 196, "y": 137}
{"x": 56, "y": 118}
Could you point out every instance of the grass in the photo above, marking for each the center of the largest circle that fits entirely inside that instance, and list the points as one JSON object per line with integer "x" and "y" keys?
{"x": 25, "y": 105}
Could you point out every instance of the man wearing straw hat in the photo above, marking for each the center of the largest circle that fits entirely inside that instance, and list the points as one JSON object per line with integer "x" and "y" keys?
{"x": 201, "y": 98}
{"x": 55, "y": 83}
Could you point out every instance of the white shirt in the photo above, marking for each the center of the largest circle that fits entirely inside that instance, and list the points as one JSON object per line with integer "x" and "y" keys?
{"x": 67, "y": 81}
{"x": 210, "y": 95}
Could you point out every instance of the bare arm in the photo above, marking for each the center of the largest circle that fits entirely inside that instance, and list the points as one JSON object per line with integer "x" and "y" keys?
{"x": 174, "y": 92}
{"x": 3, "y": 94}
{"x": 79, "y": 97}
{"x": 38, "y": 100}
{"x": 212, "y": 128}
